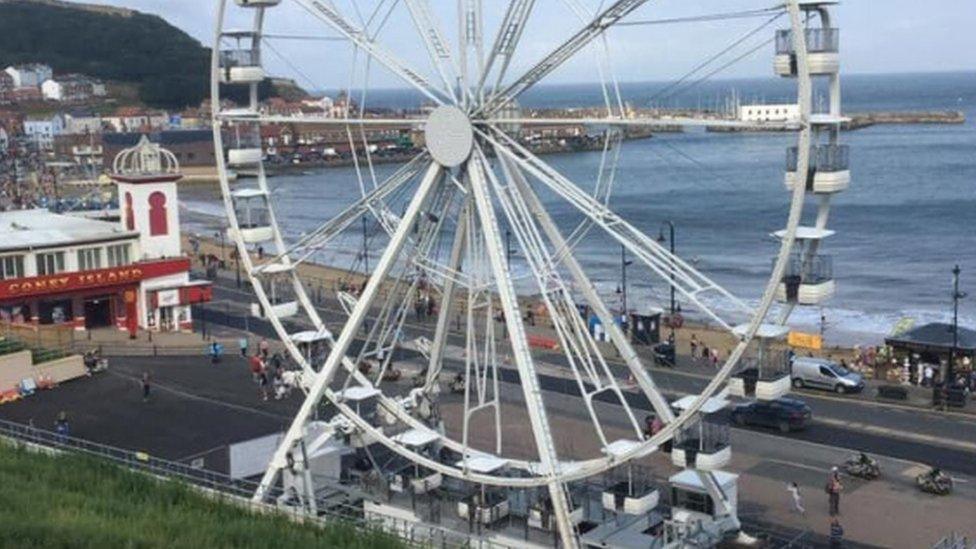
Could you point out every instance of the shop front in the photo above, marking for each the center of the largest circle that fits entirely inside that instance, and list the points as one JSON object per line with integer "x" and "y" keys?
{"x": 169, "y": 308}
{"x": 85, "y": 299}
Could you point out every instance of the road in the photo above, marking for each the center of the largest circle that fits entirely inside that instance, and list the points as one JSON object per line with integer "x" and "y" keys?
{"x": 944, "y": 440}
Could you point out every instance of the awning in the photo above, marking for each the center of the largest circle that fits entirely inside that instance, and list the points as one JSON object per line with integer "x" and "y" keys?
{"x": 935, "y": 338}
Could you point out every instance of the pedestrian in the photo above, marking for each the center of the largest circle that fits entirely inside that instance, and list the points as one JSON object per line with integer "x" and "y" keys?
{"x": 256, "y": 367}
{"x": 714, "y": 358}
{"x": 263, "y": 382}
{"x": 694, "y": 347}
{"x": 260, "y": 252}
{"x": 929, "y": 374}
{"x": 61, "y": 427}
{"x": 834, "y": 487}
{"x": 794, "y": 491}
{"x": 264, "y": 347}
{"x": 705, "y": 353}
{"x": 214, "y": 353}
{"x": 145, "y": 386}
{"x": 243, "y": 344}
{"x": 836, "y": 533}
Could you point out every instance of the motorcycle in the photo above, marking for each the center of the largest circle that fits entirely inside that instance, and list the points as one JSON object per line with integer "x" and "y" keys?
{"x": 934, "y": 482}
{"x": 457, "y": 384}
{"x": 862, "y": 466}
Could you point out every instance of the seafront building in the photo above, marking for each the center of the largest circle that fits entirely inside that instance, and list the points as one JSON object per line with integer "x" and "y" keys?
{"x": 130, "y": 273}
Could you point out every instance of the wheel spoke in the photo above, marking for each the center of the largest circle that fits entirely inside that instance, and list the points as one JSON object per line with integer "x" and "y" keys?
{"x": 326, "y": 12}
{"x": 603, "y": 21}
{"x": 531, "y": 391}
{"x": 436, "y": 44}
{"x": 509, "y": 34}
{"x": 686, "y": 279}
{"x": 663, "y": 122}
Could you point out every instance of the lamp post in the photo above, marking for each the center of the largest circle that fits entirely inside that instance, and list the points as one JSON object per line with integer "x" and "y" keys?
{"x": 956, "y": 296}
{"x": 508, "y": 248}
{"x": 221, "y": 235}
{"x": 660, "y": 239}
{"x": 237, "y": 267}
{"x": 365, "y": 248}
{"x": 624, "y": 263}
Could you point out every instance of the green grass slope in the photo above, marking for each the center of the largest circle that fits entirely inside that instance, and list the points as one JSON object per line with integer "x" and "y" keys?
{"x": 78, "y": 502}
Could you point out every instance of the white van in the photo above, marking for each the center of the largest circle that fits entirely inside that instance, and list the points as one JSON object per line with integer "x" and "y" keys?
{"x": 821, "y": 373}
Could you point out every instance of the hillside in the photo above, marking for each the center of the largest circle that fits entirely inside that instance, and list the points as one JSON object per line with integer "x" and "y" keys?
{"x": 170, "y": 68}
{"x": 74, "y": 501}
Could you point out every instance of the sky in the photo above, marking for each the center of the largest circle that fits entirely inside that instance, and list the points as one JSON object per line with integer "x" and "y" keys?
{"x": 877, "y": 36}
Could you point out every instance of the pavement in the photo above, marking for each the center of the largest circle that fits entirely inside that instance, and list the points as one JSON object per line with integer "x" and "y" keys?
{"x": 196, "y": 409}
{"x": 855, "y": 422}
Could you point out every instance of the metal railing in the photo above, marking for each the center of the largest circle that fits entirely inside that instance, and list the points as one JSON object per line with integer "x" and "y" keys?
{"x": 252, "y": 216}
{"x": 773, "y": 365}
{"x": 823, "y": 158}
{"x": 239, "y": 491}
{"x": 239, "y": 58}
{"x": 706, "y": 436}
{"x": 815, "y": 269}
{"x": 819, "y": 40}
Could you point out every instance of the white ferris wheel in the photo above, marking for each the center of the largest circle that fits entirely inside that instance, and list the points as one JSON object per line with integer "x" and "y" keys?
{"x": 443, "y": 218}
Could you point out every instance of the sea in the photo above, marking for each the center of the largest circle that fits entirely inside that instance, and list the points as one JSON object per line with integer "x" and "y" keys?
{"x": 908, "y": 217}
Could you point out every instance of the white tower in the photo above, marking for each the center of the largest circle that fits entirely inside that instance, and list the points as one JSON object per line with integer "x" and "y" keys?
{"x": 146, "y": 175}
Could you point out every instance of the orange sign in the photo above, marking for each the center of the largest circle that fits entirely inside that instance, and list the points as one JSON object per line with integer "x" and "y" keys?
{"x": 805, "y": 341}
{"x": 83, "y": 280}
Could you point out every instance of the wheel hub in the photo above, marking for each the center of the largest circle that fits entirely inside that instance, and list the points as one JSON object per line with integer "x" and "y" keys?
{"x": 449, "y": 136}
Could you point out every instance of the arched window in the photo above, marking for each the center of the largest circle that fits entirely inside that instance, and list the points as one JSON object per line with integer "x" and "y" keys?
{"x": 157, "y": 214}
{"x": 130, "y": 216}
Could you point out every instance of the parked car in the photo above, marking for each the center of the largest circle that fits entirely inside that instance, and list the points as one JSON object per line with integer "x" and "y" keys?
{"x": 821, "y": 373}
{"x": 786, "y": 414}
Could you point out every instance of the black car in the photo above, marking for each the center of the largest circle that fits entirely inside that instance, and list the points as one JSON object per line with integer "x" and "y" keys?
{"x": 786, "y": 414}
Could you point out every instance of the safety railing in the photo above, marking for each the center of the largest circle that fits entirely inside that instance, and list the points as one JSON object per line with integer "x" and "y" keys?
{"x": 823, "y": 158}
{"x": 236, "y": 491}
{"x": 706, "y": 436}
{"x": 239, "y": 58}
{"x": 819, "y": 40}
{"x": 805, "y": 269}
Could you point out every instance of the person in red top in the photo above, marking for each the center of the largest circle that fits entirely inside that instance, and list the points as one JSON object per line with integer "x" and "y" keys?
{"x": 257, "y": 366}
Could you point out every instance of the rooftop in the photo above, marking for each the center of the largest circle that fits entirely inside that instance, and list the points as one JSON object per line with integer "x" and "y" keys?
{"x": 20, "y": 229}
{"x": 935, "y": 336}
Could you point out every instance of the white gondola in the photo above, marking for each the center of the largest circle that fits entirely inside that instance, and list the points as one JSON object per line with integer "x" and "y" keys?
{"x": 822, "y": 47}
{"x": 706, "y": 453}
{"x": 241, "y": 63}
{"x": 283, "y": 303}
{"x": 363, "y": 401}
{"x": 705, "y": 443}
{"x": 766, "y": 374}
{"x": 257, "y": 3}
{"x": 691, "y": 501}
{"x": 487, "y": 505}
{"x": 412, "y": 477}
{"x": 808, "y": 280}
{"x": 829, "y": 170}
{"x": 253, "y": 219}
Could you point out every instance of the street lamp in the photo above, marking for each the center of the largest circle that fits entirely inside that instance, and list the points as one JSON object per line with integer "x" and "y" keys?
{"x": 956, "y": 296}
{"x": 508, "y": 247}
{"x": 624, "y": 263}
{"x": 221, "y": 235}
{"x": 660, "y": 239}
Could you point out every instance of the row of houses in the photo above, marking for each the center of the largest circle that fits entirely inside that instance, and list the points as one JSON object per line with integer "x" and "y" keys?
{"x": 37, "y": 82}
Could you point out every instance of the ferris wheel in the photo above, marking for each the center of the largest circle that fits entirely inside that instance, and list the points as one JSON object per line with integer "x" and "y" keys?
{"x": 443, "y": 218}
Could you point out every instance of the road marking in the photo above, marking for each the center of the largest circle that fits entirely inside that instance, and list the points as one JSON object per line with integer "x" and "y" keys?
{"x": 898, "y": 433}
{"x": 916, "y": 470}
{"x": 800, "y": 465}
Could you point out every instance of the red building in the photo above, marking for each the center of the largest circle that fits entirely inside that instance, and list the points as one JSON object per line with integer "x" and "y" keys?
{"x": 68, "y": 269}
